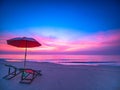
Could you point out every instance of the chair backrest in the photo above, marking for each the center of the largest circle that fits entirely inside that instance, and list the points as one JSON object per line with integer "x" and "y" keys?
{"x": 10, "y": 66}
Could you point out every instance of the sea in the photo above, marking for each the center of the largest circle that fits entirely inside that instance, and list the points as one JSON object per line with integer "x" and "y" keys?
{"x": 66, "y": 59}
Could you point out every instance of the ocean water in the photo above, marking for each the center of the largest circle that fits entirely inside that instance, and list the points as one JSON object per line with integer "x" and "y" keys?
{"x": 67, "y": 59}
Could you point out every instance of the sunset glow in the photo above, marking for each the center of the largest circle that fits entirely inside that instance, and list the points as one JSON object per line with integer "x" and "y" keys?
{"x": 62, "y": 27}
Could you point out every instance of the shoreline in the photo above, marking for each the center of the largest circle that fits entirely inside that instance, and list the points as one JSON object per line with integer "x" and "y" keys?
{"x": 90, "y": 63}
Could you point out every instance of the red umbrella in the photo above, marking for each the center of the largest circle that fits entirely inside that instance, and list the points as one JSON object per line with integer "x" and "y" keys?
{"x": 23, "y": 42}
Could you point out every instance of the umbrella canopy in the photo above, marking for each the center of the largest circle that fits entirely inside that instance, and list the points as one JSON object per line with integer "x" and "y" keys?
{"x": 23, "y": 42}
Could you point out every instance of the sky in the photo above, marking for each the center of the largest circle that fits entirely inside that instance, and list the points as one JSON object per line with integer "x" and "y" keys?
{"x": 62, "y": 26}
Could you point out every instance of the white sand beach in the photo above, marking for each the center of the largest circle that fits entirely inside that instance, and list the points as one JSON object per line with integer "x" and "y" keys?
{"x": 64, "y": 77}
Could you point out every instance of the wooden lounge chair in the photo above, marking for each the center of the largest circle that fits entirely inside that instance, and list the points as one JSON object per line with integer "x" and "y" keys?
{"x": 12, "y": 72}
{"x": 28, "y": 75}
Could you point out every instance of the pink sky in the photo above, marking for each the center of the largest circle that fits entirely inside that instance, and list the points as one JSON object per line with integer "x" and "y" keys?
{"x": 100, "y": 41}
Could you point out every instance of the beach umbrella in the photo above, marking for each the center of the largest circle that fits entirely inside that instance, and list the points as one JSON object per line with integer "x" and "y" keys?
{"x": 23, "y": 42}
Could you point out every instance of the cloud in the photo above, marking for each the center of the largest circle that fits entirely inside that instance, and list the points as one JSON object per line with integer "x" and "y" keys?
{"x": 101, "y": 41}
{"x": 96, "y": 43}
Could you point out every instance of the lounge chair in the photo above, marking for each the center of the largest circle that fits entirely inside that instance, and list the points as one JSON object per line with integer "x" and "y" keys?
{"x": 12, "y": 72}
{"x": 28, "y": 75}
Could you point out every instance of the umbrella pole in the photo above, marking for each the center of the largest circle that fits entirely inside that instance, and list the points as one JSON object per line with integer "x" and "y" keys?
{"x": 25, "y": 57}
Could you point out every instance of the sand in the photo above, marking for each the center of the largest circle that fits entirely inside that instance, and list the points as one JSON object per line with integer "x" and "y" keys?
{"x": 64, "y": 77}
